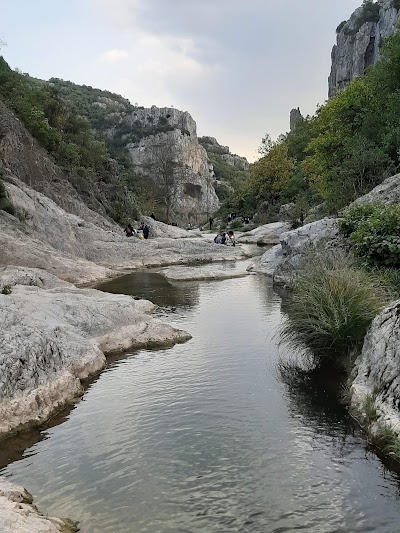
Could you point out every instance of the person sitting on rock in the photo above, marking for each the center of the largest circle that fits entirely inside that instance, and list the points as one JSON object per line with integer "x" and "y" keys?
{"x": 153, "y": 216}
{"x": 146, "y": 232}
{"x": 230, "y": 240}
{"x": 129, "y": 230}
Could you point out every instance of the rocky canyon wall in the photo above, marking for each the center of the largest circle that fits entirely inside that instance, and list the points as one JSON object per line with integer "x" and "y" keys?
{"x": 359, "y": 40}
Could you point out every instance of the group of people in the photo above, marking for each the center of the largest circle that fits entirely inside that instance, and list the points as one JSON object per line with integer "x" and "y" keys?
{"x": 142, "y": 232}
{"x": 225, "y": 238}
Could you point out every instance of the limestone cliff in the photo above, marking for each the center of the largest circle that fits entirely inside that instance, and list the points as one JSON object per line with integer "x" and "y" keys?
{"x": 359, "y": 40}
{"x": 193, "y": 196}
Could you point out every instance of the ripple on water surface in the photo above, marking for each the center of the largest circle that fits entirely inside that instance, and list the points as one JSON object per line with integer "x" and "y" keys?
{"x": 203, "y": 437}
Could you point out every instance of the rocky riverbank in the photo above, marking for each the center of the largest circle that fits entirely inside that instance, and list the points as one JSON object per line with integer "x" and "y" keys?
{"x": 18, "y": 514}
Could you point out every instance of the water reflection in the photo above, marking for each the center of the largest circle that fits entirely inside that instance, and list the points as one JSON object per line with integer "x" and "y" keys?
{"x": 154, "y": 287}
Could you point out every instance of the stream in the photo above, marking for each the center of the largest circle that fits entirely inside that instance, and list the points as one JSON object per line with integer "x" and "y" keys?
{"x": 205, "y": 436}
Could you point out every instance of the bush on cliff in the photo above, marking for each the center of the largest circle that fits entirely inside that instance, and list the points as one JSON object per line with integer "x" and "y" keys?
{"x": 332, "y": 305}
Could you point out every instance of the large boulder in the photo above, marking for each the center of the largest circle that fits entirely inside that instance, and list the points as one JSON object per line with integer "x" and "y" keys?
{"x": 268, "y": 262}
{"x": 282, "y": 261}
{"x": 267, "y": 234}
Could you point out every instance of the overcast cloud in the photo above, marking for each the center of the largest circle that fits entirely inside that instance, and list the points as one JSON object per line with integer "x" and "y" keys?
{"x": 238, "y": 66}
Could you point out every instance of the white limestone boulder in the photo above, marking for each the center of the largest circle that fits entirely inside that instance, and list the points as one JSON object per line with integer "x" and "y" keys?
{"x": 281, "y": 261}
{"x": 267, "y": 234}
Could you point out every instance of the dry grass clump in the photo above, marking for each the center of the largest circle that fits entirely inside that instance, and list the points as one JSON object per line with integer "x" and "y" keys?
{"x": 332, "y": 306}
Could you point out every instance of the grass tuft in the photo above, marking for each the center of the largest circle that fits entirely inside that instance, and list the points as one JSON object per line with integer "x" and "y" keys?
{"x": 332, "y": 306}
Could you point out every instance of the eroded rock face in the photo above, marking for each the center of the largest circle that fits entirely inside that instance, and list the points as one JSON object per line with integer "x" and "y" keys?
{"x": 23, "y": 158}
{"x": 290, "y": 255}
{"x": 19, "y": 515}
{"x": 358, "y": 47}
{"x": 295, "y": 116}
{"x": 53, "y": 338}
{"x": 212, "y": 145}
{"x": 193, "y": 194}
{"x": 378, "y": 368}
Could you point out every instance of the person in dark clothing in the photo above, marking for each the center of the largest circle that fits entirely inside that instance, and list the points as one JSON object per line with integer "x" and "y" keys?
{"x": 146, "y": 232}
{"x": 129, "y": 230}
{"x": 153, "y": 216}
{"x": 211, "y": 221}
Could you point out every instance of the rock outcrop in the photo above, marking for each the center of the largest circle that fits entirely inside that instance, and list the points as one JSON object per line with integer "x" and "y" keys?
{"x": 358, "y": 42}
{"x": 54, "y": 336}
{"x": 212, "y": 146}
{"x": 189, "y": 188}
{"x": 377, "y": 369}
{"x": 295, "y": 116}
{"x": 284, "y": 259}
{"x": 387, "y": 192}
{"x": 19, "y": 515}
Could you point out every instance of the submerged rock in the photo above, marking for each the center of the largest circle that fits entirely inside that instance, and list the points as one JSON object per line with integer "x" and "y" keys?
{"x": 19, "y": 515}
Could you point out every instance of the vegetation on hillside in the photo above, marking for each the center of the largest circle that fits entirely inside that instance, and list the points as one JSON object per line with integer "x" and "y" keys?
{"x": 230, "y": 178}
{"x": 110, "y": 115}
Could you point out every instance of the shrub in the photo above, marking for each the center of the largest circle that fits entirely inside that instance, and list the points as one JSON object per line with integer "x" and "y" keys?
{"x": 6, "y": 290}
{"x": 236, "y": 224}
{"x": 370, "y": 409}
{"x": 354, "y": 215}
{"x": 332, "y": 305}
{"x": 375, "y": 231}
{"x": 396, "y": 4}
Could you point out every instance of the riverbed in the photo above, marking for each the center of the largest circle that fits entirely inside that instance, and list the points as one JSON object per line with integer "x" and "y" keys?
{"x": 205, "y": 436}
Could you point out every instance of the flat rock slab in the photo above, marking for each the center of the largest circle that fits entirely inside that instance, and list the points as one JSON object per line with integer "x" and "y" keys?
{"x": 267, "y": 234}
{"x": 218, "y": 271}
{"x": 53, "y": 338}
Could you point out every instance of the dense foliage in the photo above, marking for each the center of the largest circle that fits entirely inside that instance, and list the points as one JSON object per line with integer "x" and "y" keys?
{"x": 65, "y": 135}
{"x": 375, "y": 231}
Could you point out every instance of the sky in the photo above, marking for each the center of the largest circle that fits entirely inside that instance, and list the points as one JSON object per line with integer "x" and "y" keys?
{"x": 237, "y": 66}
